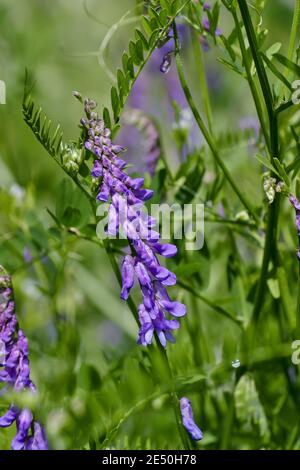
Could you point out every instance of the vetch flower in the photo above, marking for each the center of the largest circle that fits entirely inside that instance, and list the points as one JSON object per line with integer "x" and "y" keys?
{"x": 126, "y": 196}
{"x": 15, "y": 372}
{"x": 188, "y": 419}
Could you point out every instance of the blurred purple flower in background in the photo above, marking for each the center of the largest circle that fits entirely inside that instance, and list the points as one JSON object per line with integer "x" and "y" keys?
{"x": 150, "y": 137}
{"x": 15, "y": 372}
{"x": 188, "y": 419}
{"x": 251, "y": 125}
{"x": 206, "y": 26}
{"x": 27, "y": 255}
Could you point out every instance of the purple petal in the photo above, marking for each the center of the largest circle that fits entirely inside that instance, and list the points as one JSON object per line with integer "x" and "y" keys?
{"x": 39, "y": 440}
{"x": 127, "y": 276}
{"x": 9, "y": 417}
{"x": 175, "y": 308}
{"x": 188, "y": 419}
{"x": 167, "y": 250}
{"x": 24, "y": 421}
{"x": 97, "y": 169}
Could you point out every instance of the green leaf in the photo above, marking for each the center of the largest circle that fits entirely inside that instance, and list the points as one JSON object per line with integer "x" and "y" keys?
{"x": 139, "y": 35}
{"x": 274, "y": 49}
{"x": 166, "y": 5}
{"x": 228, "y": 48}
{"x": 50, "y": 141}
{"x": 122, "y": 82}
{"x": 153, "y": 38}
{"x": 133, "y": 53}
{"x": 288, "y": 63}
{"x": 231, "y": 66}
{"x": 147, "y": 25}
{"x": 163, "y": 17}
{"x": 175, "y": 6}
{"x": 214, "y": 17}
{"x": 115, "y": 103}
{"x": 154, "y": 24}
{"x": 130, "y": 68}
{"x": 139, "y": 51}
{"x": 106, "y": 118}
{"x": 125, "y": 62}
{"x": 276, "y": 72}
{"x": 281, "y": 170}
{"x": 267, "y": 164}
{"x": 154, "y": 16}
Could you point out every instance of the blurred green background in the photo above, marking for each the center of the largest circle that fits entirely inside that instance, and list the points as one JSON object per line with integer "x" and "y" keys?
{"x": 94, "y": 387}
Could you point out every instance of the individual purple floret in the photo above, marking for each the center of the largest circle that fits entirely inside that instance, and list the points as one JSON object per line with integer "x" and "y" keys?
{"x": 166, "y": 63}
{"x": 126, "y": 196}
{"x": 188, "y": 419}
{"x": 296, "y": 204}
{"x": 15, "y": 372}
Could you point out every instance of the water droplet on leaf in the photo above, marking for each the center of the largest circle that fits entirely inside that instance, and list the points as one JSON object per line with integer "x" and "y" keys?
{"x": 236, "y": 363}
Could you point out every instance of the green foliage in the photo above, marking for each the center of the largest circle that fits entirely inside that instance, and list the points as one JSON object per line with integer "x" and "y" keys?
{"x": 156, "y": 26}
{"x": 41, "y": 127}
{"x": 96, "y": 388}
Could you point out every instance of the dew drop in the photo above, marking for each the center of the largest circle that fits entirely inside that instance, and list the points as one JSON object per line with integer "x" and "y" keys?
{"x": 236, "y": 363}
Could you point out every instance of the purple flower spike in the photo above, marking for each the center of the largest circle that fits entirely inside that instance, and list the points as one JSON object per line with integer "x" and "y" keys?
{"x": 188, "y": 419}
{"x": 15, "y": 370}
{"x": 206, "y": 6}
{"x": 126, "y": 197}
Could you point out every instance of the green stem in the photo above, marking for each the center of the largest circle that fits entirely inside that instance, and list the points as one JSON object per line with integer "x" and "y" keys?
{"x": 131, "y": 304}
{"x": 271, "y": 231}
{"x": 251, "y": 82}
{"x": 260, "y": 68}
{"x": 204, "y": 130}
{"x": 174, "y": 398}
{"x": 295, "y": 25}
{"x": 293, "y": 38}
